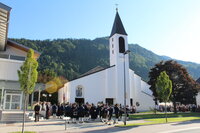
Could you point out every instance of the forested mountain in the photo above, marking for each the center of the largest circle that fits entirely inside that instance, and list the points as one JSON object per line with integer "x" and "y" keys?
{"x": 73, "y": 57}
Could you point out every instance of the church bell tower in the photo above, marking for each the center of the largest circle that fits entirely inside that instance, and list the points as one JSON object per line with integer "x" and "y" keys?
{"x": 120, "y": 58}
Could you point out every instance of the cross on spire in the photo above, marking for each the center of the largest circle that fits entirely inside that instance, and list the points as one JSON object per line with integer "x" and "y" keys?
{"x": 116, "y": 7}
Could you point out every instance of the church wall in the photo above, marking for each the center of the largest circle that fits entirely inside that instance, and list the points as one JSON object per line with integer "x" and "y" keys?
{"x": 93, "y": 88}
{"x": 60, "y": 95}
{"x": 145, "y": 98}
{"x": 137, "y": 86}
{"x": 110, "y": 84}
{"x": 132, "y": 85}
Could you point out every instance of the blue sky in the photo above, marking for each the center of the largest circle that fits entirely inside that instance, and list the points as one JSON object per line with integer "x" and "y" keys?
{"x": 166, "y": 27}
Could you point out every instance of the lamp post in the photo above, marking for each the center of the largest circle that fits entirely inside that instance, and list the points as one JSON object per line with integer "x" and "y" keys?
{"x": 46, "y": 95}
{"x": 126, "y": 52}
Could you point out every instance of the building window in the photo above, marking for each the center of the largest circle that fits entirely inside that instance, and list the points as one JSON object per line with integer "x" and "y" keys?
{"x": 112, "y": 51}
{"x": 112, "y": 39}
{"x": 121, "y": 45}
{"x": 112, "y": 46}
{"x": 14, "y": 57}
{"x": 79, "y": 91}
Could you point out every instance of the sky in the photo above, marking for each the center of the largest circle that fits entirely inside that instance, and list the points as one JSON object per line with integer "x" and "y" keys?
{"x": 166, "y": 27}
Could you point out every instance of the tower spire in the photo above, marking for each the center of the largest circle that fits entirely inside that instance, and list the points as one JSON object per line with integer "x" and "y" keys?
{"x": 117, "y": 25}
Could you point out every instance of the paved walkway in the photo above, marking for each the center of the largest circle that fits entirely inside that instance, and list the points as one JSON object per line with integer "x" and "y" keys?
{"x": 47, "y": 126}
{"x": 58, "y": 126}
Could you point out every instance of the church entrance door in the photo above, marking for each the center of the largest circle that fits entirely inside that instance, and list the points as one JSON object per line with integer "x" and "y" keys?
{"x": 80, "y": 100}
{"x": 109, "y": 101}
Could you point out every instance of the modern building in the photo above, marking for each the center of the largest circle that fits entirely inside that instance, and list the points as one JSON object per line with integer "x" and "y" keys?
{"x": 113, "y": 84}
{"x": 12, "y": 56}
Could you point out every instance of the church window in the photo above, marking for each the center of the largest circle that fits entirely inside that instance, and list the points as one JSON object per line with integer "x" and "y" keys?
{"x": 112, "y": 51}
{"x": 112, "y": 39}
{"x": 121, "y": 45}
{"x": 79, "y": 91}
{"x": 112, "y": 46}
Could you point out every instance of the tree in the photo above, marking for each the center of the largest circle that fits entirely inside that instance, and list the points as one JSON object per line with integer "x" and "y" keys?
{"x": 182, "y": 83}
{"x": 164, "y": 88}
{"x": 27, "y": 78}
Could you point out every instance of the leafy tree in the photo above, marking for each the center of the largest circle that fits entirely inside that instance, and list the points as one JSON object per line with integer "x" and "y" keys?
{"x": 182, "y": 83}
{"x": 27, "y": 78}
{"x": 164, "y": 88}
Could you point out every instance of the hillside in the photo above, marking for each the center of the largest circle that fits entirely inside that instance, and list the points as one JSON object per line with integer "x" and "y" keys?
{"x": 73, "y": 57}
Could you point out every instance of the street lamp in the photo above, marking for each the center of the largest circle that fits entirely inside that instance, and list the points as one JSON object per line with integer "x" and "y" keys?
{"x": 46, "y": 95}
{"x": 126, "y": 52}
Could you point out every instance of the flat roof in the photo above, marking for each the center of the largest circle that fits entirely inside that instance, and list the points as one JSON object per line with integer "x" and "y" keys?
{"x": 5, "y": 7}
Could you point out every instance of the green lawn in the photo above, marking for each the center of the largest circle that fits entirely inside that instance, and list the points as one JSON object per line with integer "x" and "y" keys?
{"x": 161, "y": 115}
{"x": 160, "y": 118}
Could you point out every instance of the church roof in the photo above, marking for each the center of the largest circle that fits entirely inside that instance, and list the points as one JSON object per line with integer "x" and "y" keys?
{"x": 198, "y": 80}
{"x": 118, "y": 26}
{"x": 96, "y": 69}
{"x": 93, "y": 71}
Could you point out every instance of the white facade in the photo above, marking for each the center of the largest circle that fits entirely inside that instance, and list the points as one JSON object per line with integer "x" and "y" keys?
{"x": 99, "y": 86}
{"x": 198, "y": 99}
{"x": 113, "y": 84}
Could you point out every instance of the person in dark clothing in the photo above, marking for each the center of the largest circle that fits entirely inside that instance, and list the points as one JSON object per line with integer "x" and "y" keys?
{"x": 116, "y": 110}
{"x": 98, "y": 111}
{"x": 37, "y": 112}
{"x": 68, "y": 110}
{"x": 47, "y": 111}
{"x": 104, "y": 113}
{"x": 110, "y": 113}
{"x": 93, "y": 112}
{"x": 59, "y": 111}
{"x": 62, "y": 110}
{"x": 121, "y": 111}
{"x": 86, "y": 111}
{"x": 101, "y": 112}
{"x": 75, "y": 113}
{"x": 80, "y": 113}
{"x": 54, "y": 110}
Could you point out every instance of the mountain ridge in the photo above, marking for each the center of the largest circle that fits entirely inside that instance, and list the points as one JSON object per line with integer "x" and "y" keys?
{"x": 73, "y": 57}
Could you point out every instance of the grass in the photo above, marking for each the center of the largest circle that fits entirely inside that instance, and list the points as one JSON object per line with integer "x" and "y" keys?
{"x": 161, "y": 121}
{"x": 161, "y": 115}
{"x": 160, "y": 118}
{"x": 24, "y": 132}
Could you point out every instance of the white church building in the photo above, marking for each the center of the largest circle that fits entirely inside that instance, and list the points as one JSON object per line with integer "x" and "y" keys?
{"x": 114, "y": 84}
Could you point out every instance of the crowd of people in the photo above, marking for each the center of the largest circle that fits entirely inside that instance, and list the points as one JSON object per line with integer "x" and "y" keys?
{"x": 104, "y": 112}
{"x": 82, "y": 112}
{"x": 179, "y": 108}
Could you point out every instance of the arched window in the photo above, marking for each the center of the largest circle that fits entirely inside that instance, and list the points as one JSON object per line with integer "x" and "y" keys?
{"x": 121, "y": 45}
